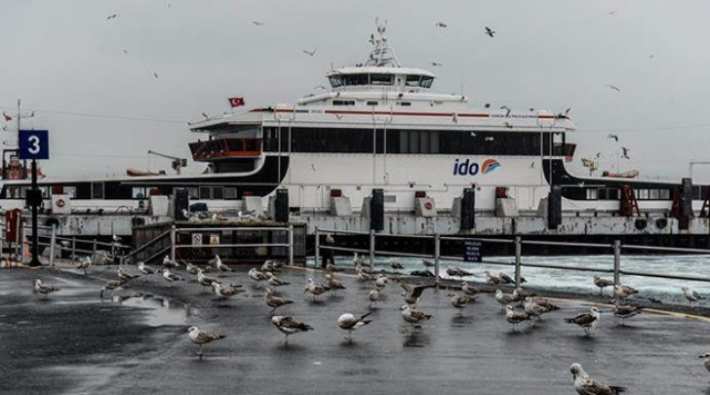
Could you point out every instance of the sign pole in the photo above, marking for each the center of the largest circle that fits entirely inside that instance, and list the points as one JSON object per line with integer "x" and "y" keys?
{"x": 34, "y": 203}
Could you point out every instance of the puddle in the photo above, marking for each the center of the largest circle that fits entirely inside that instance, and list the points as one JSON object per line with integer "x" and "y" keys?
{"x": 159, "y": 311}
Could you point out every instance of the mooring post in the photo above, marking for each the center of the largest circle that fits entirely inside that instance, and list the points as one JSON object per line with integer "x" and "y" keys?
{"x": 316, "y": 256}
{"x": 290, "y": 244}
{"x": 172, "y": 243}
{"x": 372, "y": 247}
{"x": 95, "y": 247}
{"x": 617, "y": 263}
{"x": 437, "y": 256}
{"x": 518, "y": 261}
{"x": 52, "y": 244}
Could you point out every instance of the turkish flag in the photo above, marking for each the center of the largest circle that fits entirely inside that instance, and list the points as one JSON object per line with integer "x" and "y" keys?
{"x": 236, "y": 101}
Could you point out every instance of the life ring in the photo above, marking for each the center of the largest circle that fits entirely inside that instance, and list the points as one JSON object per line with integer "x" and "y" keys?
{"x": 60, "y": 203}
{"x": 428, "y": 205}
{"x": 640, "y": 224}
{"x": 661, "y": 223}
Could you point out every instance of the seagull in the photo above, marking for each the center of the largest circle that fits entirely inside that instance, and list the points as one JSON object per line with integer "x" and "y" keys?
{"x": 332, "y": 282}
{"x": 457, "y": 272}
{"x": 84, "y": 264}
{"x": 270, "y": 266}
{"x": 42, "y": 289}
{"x": 490, "y": 32}
{"x": 586, "y": 385}
{"x": 460, "y": 301}
{"x": 225, "y": 292}
{"x": 275, "y": 281}
{"x": 507, "y": 110}
{"x": 436, "y": 64}
{"x": 219, "y": 265}
{"x": 202, "y": 279}
{"x": 614, "y": 137}
{"x": 625, "y": 153}
{"x": 112, "y": 16}
{"x": 428, "y": 263}
{"x": 706, "y": 357}
{"x": 201, "y": 337}
{"x": 350, "y": 323}
{"x": 422, "y": 273}
{"x": 412, "y": 295}
{"x": 274, "y": 301}
{"x": 314, "y": 289}
{"x": 155, "y": 75}
{"x": 256, "y": 275}
{"x": 691, "y": 295}
{"x": 412, "y": 315}
{"x": 170, "y": 276}
{"x": 362, "y": 275}
{"x": 145, "y": 269}
{"x": 310, "y": 53}
{"x": 288, "y": 326}
{"x": 394, "y": 264}
{"x": 626, "y": 311}
{"x": 169, "y": 262}
{"x": 536, "y": 307}
{"x": 257, "y": 23}
{"x": 110, "y": 286}
{"x": 616, "y": 88}
{"x": 381, "y": 281}
{"x": 469, "y": 289}
{"x": 587, "y": 321}
{"x": 515, "y": 317}
{"x": 602, "y": 283}
{"x": 624, "y": 291}
{"x": 503, "y": 298}
{"x": 123, "y": 276}
{"x": 374, "y": 296}
{"x": 501, "y": 278}
{"x": 190, "y": 268}
{"x": 441, "y": 25}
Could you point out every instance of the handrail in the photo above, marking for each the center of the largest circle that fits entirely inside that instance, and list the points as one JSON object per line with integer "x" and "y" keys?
{"x": 146, "y": 245}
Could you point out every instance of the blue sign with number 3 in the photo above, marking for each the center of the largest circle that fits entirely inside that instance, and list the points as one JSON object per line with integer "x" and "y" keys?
{"x": 34, "y": 144}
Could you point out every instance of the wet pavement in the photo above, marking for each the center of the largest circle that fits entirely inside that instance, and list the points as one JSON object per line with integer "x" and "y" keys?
{"x": 136, "y": 342}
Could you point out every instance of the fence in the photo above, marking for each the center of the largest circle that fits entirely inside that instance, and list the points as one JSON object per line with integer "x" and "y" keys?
{"x": 615, "y": 248}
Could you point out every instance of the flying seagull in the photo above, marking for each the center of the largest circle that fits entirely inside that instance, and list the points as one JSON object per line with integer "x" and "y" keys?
{"x": 288, "y": 326}
{"x": 691, "y": 295}
{"x": 586, "y": 385}
{"x": 112, "y": 16}
{"x": 274, "y": 301}
{"x": 507, "y": 110}
{"x": 436, "y": 64}
{"x": 614, "y": 137}
{"x": 515, "y": 317}
{"x": 257, "y": 23}
{"x": 310, "y": 53}
{"x": 616, "y": 88}
{"x": 490, "y": 32}
{"x": 42, "y": 289}
{"x": 350, "y": 323}
{"x": 201, "y": 337}
{"x": 625, "y": 153}
{"x": 413, "y": 294}
{"x": 602, "y": 283}
{"x": 587, "y": 321}
{"x": 155, "y": 75}
{"x": 441, "y": 25}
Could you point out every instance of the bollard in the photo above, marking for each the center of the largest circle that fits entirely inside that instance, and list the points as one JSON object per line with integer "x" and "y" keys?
{"x": 437, "y": 255}
{"x": 617, "y": 267}
{"x": 372, "y": 247}
{"x": 518, "y": 261}
{"x": 73, "y": 248}
{"x": 290, "y": 244}
{"x": 172, "y": 243}
{"x": 316, "y": 256}
{"x": 52, "y": 243}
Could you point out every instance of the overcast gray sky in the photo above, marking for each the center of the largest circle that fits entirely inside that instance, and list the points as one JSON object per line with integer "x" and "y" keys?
{"x": 65, "y": 57}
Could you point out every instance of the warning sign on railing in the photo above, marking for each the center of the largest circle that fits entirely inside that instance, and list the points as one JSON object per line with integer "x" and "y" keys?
{"x": 472, "y": 251}
{"x": 197, "y": 239}
{"x": 214, "y": 239}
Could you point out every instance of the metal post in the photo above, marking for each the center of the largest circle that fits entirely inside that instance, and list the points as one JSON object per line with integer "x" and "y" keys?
{"x": 34, "y": 205}
{"x": 94, "y": 248}
{"x": 372, "y": 247}
{"x": 2, "y": 246}
{"x": 19, "y": 238}
{"x": 52, "y": 244}
{"x": 290, "y": 244}
{"x": 172, "y": 243}
{"x": 518, "y": 261}
{"x": 316, "y": 256}
{"x": 617, "y": 262}
{"x": 437, "y": 255}
{"x": 73, "y": 248}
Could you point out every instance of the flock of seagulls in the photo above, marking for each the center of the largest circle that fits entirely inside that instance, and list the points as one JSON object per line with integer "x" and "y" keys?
{"x": 519, "y": 306}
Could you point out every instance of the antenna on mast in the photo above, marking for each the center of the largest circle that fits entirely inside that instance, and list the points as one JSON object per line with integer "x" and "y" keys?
{"x": 381, "y": 54}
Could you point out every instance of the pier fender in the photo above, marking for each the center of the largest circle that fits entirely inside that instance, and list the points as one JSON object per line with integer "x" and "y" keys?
{"x": 640, "y": 224}
{"x": 661, "y": 223}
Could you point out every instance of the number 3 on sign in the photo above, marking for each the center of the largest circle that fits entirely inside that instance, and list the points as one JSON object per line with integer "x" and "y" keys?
{"x": 34, "y": 144}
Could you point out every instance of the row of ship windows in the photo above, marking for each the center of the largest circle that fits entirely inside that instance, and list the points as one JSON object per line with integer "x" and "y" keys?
{"x": 408, "y": 141}
{"x": 412, "y": 80}
{"x": 98, "y": 189}
{"x": 641, "y": 194}
{"x": 369, "y": 103}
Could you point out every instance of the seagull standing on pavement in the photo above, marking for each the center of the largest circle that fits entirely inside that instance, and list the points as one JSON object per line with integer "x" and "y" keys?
{"x": 332, "y": 282}
{"x": 170, "y": 276}
{"x": 167, "y": 262}
{"x": 225, "y": 292}
{"x": 274, "y": 301}
{"x": 256, "y": 275}
{"x": 503, "y": 299}
{"x": 145, "y": 269}
{"x": 275, "y": 281}
{"x": 602, "y": 283}
{"x": 536, "y": 307}
{"x": 190, "y": 268}
{"x": 203, "y": 279}
{"x": 585, "y": 385}
{"x": 460, "y": 301}
{"x": 219, "y": 265}
{"x": 288, "y": 326}
{"x": 314, "y": 289}
{"x": 350, "y": 323}
{"x": 201, "y": 337}
{"x": 411, "y": 314}
{"x": 110, "y": 286}
{"x": 515, "y": 317}
{"x": 374, "y": 296}
{"x": 626, "y": 311}
{"x": 587, "y": 321}
{"x": 624, "y": 291}
{"x": 84, "y": 264}
{"x": 42, "y": 289}
{"x": 123, "y": 276}
{"x": 381, "y": 281}
{"x": 691, "y": 295}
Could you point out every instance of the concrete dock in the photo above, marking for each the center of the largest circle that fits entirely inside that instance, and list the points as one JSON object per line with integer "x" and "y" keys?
{"x": 76, "y": 343}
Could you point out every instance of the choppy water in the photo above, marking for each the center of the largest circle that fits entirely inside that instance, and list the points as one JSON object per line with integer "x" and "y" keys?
{"x": 581, "y": 281}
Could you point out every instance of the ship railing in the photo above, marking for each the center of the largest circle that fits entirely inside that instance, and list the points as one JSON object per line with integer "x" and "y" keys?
{"x": 615, "y": 249}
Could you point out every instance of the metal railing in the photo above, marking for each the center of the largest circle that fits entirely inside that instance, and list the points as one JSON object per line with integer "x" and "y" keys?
{"x": 615, "y": 248}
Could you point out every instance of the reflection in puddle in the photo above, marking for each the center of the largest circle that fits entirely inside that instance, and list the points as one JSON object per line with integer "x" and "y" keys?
{"x": 160, "y": 311}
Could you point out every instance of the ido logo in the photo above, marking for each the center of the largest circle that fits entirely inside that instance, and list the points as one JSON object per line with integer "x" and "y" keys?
{"x": 468, "y": 167}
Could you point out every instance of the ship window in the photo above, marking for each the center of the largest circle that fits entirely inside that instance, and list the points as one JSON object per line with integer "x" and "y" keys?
{"x": 139, "y": 193}
{"x": 230, "y": 193}
{"x": 381, "y": 79}
{"x": 413, "y": 142}
{"x": 412, "y": 80}
{"x": 97, "y": 190}
{"x": 355, "y": 79}
{"x": 654, "y": 194}
{"x": 390, "y": 198}
{"x": 424, "y": 142}
{"x": 193, "y": 192}
{"x": 205, "y": 193}
{"x": 642, "y": 194}
{"x": 426, "y": 82}
{"x": 664, "y": 194}
{"x": 217, "y": 193}
{"x": 372, "y": 103}
{"x": 343, "y": 102}
{"x": 592, "y": 194}
{"x": 403, "y": 141}
{"x": 70, "y": 191}
{"x": 335, "y": 81}
{"x": 405, "y": 103}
